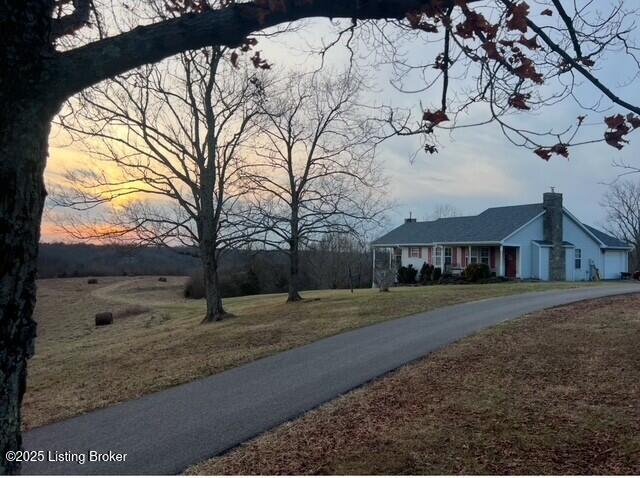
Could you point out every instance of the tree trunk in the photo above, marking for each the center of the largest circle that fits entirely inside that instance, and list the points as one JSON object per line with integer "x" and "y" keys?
{"x": 294, "y": 287}
{"x": 24, "y": 131}
{"x": 294, "y": 269}
{"x": 215, "y": 310}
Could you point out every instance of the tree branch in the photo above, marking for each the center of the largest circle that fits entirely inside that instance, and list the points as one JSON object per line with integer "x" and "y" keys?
{"x": 71, "y": 23}
{"x": 97, "y": 61}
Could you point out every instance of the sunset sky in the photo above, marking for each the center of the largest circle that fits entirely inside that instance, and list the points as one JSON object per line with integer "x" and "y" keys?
{"x": 475, "y": 168}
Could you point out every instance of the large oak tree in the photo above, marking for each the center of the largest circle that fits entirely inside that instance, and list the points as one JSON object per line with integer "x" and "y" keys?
{"x": 514, "y": 51}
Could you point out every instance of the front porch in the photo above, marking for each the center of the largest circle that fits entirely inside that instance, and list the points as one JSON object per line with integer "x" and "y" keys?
{"x": 451, "y": 258}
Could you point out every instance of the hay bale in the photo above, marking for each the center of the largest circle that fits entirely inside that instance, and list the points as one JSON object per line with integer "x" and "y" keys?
{"x": 104, "y": 318}
{"x": 92, "y": 281}
{"x": 162, "y": 279}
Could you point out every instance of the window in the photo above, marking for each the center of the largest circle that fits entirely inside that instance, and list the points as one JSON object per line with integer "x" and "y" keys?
{"x": 447, "y": 256}
{"x": 484, "y": 255}
{"x": 483, "y": 252}
{"x": 578, "y": 258}
{"x": 414, "y": 252}
{"x": 438, "y": 260}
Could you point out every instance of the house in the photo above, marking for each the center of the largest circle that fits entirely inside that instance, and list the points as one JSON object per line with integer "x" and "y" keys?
{"x": 532, "y": 241}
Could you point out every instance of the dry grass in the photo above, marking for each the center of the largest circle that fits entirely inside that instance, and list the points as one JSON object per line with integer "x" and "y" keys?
{"x": 157, "y": 340}
{"x": 556, "y": 392}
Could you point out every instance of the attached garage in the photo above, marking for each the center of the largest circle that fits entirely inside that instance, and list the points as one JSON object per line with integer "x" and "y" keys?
{"x": 615, "y": 263}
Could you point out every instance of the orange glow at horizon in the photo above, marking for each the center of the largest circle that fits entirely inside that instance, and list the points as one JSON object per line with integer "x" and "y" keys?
{"x": 64, "y": 157}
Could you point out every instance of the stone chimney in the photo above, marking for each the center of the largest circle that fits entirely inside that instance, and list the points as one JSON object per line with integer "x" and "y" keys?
{"x": 552, "y": 232}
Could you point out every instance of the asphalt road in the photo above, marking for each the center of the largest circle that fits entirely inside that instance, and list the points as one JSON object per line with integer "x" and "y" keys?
{"x": 165, "y": 432}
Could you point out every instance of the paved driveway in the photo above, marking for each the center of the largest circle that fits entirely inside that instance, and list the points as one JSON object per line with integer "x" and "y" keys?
{"x": 165, "y": 432}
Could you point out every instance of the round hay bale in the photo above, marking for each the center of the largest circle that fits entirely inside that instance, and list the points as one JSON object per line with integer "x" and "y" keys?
{"x": 92, "y": 281}
{"x": 104, "y": 318}
{"x": 162, "y": 279}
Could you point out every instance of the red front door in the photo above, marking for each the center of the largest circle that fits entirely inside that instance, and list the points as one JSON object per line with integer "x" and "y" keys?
{"x": 510, "y": 258}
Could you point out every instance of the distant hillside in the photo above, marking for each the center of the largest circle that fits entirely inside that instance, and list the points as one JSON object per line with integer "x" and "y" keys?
{"x": 320, "y": 269}
{"x": 73, "y": 260}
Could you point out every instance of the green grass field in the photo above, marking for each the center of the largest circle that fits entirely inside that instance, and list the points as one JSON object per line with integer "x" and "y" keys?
{"x": 157, "y": 340}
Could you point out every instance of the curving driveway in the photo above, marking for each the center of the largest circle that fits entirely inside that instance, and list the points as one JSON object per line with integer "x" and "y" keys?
{"x": 165, "y": 432}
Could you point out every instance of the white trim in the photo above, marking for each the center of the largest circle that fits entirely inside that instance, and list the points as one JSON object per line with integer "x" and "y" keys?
{"x": 519, "y": 272}
{"x": 539, "y": 246}
{"x": 523, "y": 226}
{"x": 426, "y": 244}
{"x": 566, "y": 246}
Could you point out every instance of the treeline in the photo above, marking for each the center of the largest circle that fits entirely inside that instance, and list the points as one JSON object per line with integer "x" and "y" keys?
{"x": 242, "y": 272}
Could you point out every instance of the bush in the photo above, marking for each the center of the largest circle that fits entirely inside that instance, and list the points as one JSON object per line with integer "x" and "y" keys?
{"x": 407, "y": 275}
{"x": 449, "y": 279}
{"x": 251, "y": 283}
{"x": 426, "y": 271}
{"x": 477, "y": 272}
{"x": 636, "y": 275}
{"x": 437, "y": 273}
{"x": 229, "y": 284}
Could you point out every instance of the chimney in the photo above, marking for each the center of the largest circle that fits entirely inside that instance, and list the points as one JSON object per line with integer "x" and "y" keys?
{"x": 409, "y": 219}
{"x": 552, "y": 232}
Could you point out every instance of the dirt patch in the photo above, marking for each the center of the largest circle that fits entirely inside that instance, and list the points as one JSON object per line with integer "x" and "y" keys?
{"x": 556, "y": 392}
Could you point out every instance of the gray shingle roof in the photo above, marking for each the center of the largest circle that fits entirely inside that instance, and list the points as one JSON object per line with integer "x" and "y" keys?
{"x": 549, "y": 243}
{"x": 492, "y": 225}
{"x": 609, "y": 241}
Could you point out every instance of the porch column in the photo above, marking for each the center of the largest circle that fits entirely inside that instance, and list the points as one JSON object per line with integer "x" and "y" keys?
{"x": 519, "y": 271}
{"x": 501, "y": 263}
{"x": 373, "y": 275}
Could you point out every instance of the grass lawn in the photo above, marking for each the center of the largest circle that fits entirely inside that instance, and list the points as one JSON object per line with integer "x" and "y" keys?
{"x": 556, "y": 392}
{"x": 157, "y": 340}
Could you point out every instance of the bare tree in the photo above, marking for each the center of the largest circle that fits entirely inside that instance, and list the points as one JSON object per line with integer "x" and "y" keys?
{"x": 494, "y": 59}
{"x": 316, "y": 171}
{"x": 53, "y": 49}
{"x": 341, "y": 261}
{"x": 176, "y": 133}
{"x": 444, "y": 210}
{"x": 622, "y": 203}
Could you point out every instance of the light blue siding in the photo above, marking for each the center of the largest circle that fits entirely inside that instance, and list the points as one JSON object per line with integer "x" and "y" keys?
{"x": 544, "y": 263}
{"x": 535, "y": 261}
{"x": 591, "y": 251}
{"x": 524, "y": 239}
